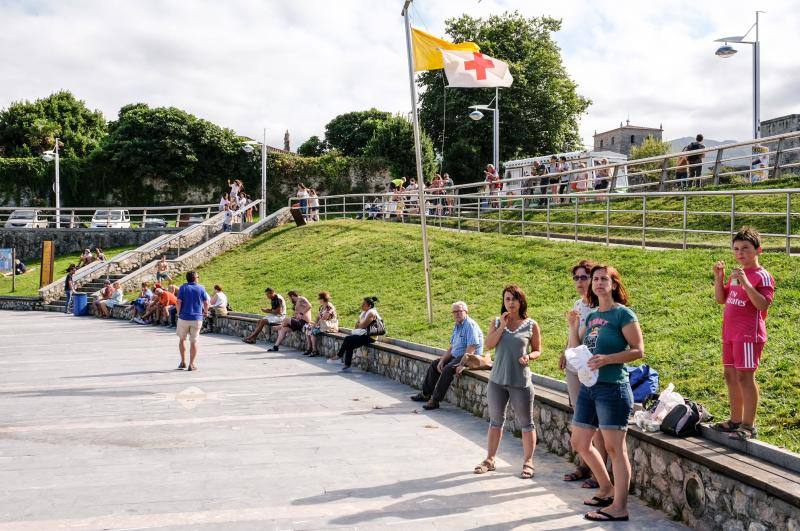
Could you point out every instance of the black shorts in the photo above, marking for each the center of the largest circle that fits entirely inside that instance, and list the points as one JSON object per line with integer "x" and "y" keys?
{"x": 296, "y": 324}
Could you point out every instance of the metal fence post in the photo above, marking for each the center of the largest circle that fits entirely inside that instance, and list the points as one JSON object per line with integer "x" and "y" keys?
{"x": 479, "y": 214}
{"x": 325, "y": 207}
{"x": 363, "y": 209}
{"x": 344, "y": 206}
{"x": 644, "y": 220}
{"x": 608, "y": 219}
{"x": 458, "y": 219}
{"x": 664, "y": 169}
{"x": 547, "y": 223}
{"x": 499, "y": 214}
{"x": 613, "y": 185}
{"x": 522, "y": 216}
{"x": 684, "y": 221}
{"x": 733, "y": 214}
{"x": 178, "y": 219}
{"x": 776, "y": 167}
{"x": 788, "y": 223}
{"x": 717, "y": 164}
{"x": 576, "y": 219}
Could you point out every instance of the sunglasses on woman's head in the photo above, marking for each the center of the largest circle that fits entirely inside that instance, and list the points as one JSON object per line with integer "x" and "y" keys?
{"x": 577, "y": 278}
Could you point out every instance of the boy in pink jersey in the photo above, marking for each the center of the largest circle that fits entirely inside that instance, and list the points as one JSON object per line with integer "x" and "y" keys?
{"x": 746, "y": 297}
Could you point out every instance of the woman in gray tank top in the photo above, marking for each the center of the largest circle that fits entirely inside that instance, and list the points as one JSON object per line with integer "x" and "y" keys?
{"x": 516, "y": 341}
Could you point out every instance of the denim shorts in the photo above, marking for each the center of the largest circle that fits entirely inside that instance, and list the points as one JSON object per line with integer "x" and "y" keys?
{"x": 604, "y": 405}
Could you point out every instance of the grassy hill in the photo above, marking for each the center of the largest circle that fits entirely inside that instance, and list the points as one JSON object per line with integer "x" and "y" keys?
{"x": 671, "y": 290}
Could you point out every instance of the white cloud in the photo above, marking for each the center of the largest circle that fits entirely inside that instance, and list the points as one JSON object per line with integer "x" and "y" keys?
{"x": 246, "y": 64}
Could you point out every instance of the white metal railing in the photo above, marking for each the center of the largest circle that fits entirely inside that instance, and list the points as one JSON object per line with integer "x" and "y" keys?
{"x": 137, "y": 217}
{"x": 767, "y": 158}
{"x": 182, "y": 240}
{"x": 642, "y": 218}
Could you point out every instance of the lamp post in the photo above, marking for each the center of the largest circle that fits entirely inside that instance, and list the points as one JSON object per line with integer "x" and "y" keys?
{"x": 476, "y": 115}
{"x": 49, "y": 156}
{"x": 727, "y": 50}
{"x": 248, "y": 148}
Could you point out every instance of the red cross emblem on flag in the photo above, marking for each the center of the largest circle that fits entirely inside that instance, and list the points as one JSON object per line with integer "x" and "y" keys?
{"x": 473, "y": 69}
{"x": 479, "y": 64}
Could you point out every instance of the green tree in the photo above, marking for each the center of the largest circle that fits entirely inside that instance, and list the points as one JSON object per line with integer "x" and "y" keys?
{"x": 28, "y": 128}
{"x": 539, "y": 112}
{"x": 650, "y": 147}
{"x": 167, "y": 151}
{"x": 393, "y": 141}
{"x": 349, "y": 133}
{"x": 313, "y": 147}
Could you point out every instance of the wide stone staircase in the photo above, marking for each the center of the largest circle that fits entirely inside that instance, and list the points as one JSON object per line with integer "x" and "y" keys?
{"x": 184, "y": 251}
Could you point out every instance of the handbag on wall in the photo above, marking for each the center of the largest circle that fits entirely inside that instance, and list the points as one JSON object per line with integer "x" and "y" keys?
{"x": 477, "y": 363}
{"x": 331, "y": 325}
{"x": 376, "y": 328}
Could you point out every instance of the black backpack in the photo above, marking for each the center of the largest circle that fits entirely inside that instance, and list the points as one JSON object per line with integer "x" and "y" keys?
{"x": 684, "y": 419}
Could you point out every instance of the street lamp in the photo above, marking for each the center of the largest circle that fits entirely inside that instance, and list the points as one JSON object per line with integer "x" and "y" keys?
{"x": 476, "y": 115}
{"x": 49, "y": 156}
{"x": 726, "y": 50}
{"x": 248, "y": 147}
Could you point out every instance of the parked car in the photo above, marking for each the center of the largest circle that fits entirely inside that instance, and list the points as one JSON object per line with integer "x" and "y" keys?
{"x": 195, "y": 219}
{"x": 71, "y": 221}
{"x": 26, "y": 219}
{"x": 112, "y": 219}
{"x": 158, "y": 223}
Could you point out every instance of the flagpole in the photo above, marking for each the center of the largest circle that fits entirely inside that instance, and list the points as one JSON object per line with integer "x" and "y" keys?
{"x": 420, "y": 176}
{"x": 496, "y": 132}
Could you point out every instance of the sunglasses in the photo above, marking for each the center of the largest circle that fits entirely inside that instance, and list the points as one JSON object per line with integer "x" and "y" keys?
{"x": 577, "y": 278}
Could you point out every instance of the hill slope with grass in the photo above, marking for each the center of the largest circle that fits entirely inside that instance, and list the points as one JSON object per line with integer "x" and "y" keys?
{"x": 671, "y": 291}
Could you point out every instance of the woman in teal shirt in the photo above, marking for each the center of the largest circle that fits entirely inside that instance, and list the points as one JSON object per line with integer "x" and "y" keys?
{"x": 612, "y": 334}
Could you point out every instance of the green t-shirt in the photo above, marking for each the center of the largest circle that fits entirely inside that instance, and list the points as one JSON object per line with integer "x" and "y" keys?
{"x": 604, "y": 336}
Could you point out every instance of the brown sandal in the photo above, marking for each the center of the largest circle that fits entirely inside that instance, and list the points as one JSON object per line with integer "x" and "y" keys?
{"x": 485, "y": 466}
{"x": 527, "y": 472}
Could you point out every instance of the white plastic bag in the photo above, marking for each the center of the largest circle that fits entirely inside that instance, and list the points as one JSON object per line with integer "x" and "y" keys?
{"x": 576, "y": 360}
{"x": 667, "y": 400}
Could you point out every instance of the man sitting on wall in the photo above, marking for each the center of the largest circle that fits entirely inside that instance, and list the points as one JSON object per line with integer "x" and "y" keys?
{"x": 276, "y": 313}
{"x": 467, "y": 338}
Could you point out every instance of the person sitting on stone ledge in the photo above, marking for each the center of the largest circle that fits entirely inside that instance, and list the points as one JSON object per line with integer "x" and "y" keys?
{"x": 327, "y": 321}
{"x": 218, "y": 306}
{"x": 104, "y": 306}
{"x": 99, "y": 254}
{"x": 302, "y": 316}
{"x": 360, "y": 336}
{"x": 467, "y": 338}
{"x": 165, "y": 301}
{"x": 276, "y": 313}
{"x": 141, "y": 303}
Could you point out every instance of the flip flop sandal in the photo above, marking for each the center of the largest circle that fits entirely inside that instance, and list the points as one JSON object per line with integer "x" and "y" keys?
{"x": 744, "y": 433}
{"x": 605, "y": 517}
{"x": 597, "y": 501}
{"x": 728, "y": 426}
{"x": 578, "y": 475}
{"x": 590, "y": 483}
{"x": 484, "y": 467}
{"x": 527, "y": 472}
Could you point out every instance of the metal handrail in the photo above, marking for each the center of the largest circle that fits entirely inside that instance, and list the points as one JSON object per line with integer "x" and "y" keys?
{"x": 486, "y": 208}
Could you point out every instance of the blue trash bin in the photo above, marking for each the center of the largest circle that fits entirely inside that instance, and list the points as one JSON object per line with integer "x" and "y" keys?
{"x": 80, "y": 304}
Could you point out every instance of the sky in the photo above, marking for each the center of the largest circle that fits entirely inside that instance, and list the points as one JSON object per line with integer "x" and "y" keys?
{"x": 254, "y": 64}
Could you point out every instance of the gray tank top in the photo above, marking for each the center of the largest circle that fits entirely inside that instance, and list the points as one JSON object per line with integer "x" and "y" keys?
{"x": 512, "y": 345}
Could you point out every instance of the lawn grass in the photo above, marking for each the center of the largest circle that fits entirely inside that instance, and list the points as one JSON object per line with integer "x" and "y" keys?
{"x": 28, "y": 284}
{"x": 671, "y": 291}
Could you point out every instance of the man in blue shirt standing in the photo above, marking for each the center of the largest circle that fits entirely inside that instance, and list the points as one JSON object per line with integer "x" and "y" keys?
{"x": 467, "y": 338}
{"x": 192, "y": 307}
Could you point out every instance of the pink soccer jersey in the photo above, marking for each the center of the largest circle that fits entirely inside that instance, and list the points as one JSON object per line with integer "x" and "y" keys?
{"x": 742, "y": 322}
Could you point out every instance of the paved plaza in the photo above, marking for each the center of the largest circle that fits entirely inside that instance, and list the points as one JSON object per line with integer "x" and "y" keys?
{"x": 98, "y": 431}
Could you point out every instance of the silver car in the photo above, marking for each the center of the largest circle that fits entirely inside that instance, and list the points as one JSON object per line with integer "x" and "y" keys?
{"x": 26, "y": 219}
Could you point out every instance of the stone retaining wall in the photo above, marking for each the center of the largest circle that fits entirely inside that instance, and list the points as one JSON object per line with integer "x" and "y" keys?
{"x": 28, "y": 242}
{"x": 677, "y": 476}
{"x": 20, "y": 303}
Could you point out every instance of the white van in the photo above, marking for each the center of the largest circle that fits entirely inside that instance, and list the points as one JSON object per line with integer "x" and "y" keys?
{"x": 26, "y": 219}
{"x": 111, "y": 219}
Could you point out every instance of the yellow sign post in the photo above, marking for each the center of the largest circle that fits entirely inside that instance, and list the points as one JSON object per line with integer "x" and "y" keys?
{"x": 48, "y": 257}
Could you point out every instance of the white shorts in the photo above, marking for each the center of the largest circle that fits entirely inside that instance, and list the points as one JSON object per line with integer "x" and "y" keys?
{"x": 274, "y": 319}
{"x": 190, "y": 329}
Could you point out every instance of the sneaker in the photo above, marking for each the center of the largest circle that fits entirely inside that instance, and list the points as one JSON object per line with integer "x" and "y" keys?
{"x": 181, "y": 366}
{"x": 419, "y": 397}
{"x": 335, "y": 361}
{"x": 345, "y": 369}
{"x": 432, "y": 404}
{"x": 307, "y": 353}
{"x": 273, "y": 349}
{"x": 138, "y": 320}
